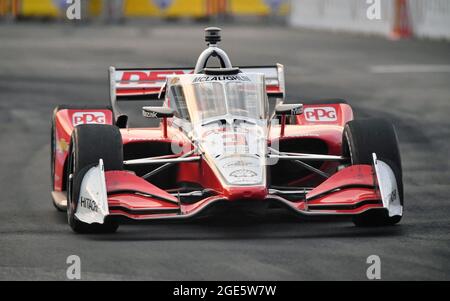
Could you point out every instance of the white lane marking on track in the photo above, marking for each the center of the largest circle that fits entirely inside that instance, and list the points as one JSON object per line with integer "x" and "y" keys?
{"x": 410, "y": 68}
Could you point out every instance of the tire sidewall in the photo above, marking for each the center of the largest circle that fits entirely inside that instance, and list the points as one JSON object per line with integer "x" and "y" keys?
{"x": 360, "y": 139}
{"x": 77, "y": 167}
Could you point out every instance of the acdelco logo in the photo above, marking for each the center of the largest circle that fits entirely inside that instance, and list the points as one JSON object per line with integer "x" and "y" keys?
{"x": 88, "y": 118}
{"x": 320, "y": 114}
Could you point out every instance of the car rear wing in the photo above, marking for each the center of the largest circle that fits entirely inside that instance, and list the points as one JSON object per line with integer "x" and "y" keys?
{"x": 146, "y": 84}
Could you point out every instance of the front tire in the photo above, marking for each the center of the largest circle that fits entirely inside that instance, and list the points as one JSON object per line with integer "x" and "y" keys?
{"x": 89, "y": 144}
{"x": 53, "y": 141}
{"x": 363, "y": 137}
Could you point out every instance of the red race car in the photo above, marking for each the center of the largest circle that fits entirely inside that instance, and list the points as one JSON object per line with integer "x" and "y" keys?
{"x": 226, "y": 142}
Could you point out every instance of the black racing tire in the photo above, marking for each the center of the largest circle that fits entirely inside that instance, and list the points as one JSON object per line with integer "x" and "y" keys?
{"x": 53, "y": 141}
{"x": 363, "y": 137}
{"x": 89, "y": 143}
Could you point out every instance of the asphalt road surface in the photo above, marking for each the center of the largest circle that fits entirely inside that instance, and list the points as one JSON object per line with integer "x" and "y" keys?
{"x": 42, "y": 66}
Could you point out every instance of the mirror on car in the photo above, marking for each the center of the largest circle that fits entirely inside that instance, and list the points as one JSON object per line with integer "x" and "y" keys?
{"x": 157, "y": 112}
{"x": 289, "y": 109}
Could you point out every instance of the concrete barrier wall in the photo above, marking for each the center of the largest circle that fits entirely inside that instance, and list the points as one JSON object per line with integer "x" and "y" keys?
{"x": 257, "y": 7}
{"x": 150, "y": 8}
{"x": 427, "y": 18}
{"x": 430, "y": 18}
{"x": 6, "y": 8}
{"x": 177, "y": 8}
{"x": 347, "y": 15}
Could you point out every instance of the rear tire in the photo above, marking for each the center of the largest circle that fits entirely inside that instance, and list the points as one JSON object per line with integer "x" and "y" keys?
{"x": 89, "y": 144}
{"x": 363, "y": 137}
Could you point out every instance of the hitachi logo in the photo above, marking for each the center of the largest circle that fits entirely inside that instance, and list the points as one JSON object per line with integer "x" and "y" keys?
{"x": 88, "y": 204}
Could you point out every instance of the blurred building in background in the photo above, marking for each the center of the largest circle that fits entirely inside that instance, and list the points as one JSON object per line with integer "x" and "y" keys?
{"x": 398, "y": 18}
{"x": 395, "y": 19}
{"x": 197, "y": 9}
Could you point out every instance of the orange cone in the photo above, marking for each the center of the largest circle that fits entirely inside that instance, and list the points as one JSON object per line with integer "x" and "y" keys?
{"x": 402, "y": 25}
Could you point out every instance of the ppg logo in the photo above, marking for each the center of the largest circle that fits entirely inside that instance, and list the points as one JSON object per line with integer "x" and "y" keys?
{"x": 320, "y": 114}
{"x": 88, "y": 118}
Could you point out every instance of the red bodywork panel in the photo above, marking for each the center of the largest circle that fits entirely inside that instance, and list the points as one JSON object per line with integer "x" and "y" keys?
{"x": 353, "y": 186}
{"x": 350, "y": 191}
{"x": 329, "y": 131}
{"x": 360, "y": 175}
{"x": 65, "y": 121}
{"x": 135, "y": 198}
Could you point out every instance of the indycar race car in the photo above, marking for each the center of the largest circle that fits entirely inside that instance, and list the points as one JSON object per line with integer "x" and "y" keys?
{"x": 227, "y": 142}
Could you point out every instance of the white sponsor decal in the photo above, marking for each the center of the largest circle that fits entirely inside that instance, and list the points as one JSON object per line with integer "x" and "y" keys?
{"x": 88, "y": 118}
{"x": 320, "y": 114}
{"x": 149, "y": 114}
{"x": 241, "y": 170}
{"x": 93, "y": 201}
{"x": 237, "y": 152}
{"x": 387, "y": 184}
